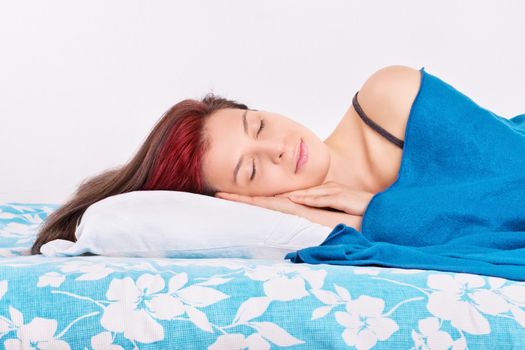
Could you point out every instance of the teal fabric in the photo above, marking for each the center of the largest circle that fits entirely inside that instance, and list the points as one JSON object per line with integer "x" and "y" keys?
{"x": 458, "y": 203}
{"x": 125, "y": 303}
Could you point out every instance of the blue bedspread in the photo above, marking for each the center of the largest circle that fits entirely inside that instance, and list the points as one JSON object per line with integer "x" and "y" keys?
{"x": 116, "y": 303}
{"x": 458, "y": 203}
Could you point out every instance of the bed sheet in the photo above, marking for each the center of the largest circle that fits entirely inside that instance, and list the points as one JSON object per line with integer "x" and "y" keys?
{"x": 97, "y": 302}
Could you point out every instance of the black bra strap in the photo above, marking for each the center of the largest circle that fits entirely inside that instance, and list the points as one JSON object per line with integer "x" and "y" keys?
{"x": 375, "y": 126}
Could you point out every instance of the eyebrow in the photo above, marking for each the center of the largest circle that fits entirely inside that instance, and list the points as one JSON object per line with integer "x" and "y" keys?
{"x": 245, "y": 126}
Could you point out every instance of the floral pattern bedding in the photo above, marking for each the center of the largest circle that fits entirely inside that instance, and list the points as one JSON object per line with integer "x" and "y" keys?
{"x": 97, "y": 302}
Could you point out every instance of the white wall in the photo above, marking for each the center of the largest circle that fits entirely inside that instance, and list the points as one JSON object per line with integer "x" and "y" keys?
{"x": 82, "y": 83}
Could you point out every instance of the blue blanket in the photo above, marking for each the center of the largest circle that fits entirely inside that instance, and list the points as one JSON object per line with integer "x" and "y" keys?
{"x": 458, "y": 203}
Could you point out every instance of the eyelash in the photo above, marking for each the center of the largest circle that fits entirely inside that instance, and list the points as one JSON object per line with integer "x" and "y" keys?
{"x": 258, "y": 132}
{"x": 262, "y": 127}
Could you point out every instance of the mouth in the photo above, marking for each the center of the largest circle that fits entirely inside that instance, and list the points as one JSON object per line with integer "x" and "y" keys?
{"x": 302, "y": 156}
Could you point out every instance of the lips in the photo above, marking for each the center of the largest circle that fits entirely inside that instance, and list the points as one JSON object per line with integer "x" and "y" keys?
{"x": 300, "y": 155}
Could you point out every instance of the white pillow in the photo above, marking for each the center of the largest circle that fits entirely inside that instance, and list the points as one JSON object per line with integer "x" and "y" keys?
{"x": 186, "y": 225}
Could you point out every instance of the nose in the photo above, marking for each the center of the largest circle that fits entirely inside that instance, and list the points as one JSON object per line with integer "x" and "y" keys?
{"x": 270, "y": 149}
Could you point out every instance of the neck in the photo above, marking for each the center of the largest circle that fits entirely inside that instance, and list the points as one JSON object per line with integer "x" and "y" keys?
{"x": 351, "y": 170}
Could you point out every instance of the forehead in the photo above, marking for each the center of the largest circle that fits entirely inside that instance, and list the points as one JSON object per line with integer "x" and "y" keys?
{"x": 228, "y": 113}
{"x": 224, "y": 123}
{"x": 223, "y": 132}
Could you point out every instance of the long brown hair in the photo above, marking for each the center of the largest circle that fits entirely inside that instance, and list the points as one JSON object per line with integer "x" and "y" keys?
{"x": 169, "y": 159}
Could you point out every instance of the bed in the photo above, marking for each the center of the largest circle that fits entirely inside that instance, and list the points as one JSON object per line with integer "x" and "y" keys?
{"x": 98, "y": 302}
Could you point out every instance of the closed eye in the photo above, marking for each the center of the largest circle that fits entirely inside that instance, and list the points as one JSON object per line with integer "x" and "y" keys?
{"x": 261, "y": 127}
{"x": 253, "y": 172}
{"x": 258, "y": 132}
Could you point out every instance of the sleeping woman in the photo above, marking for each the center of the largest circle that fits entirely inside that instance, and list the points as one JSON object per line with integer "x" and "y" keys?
{"x": 457, "y": 158}
{"x": 269, "y": 160}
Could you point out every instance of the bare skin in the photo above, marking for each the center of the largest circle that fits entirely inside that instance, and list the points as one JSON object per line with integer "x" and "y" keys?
{"x": 342, "y": 173}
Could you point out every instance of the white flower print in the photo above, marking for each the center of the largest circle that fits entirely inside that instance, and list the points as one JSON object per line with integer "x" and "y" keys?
{"x": 229, "y": 263}
{"x": 431, "y": 337}
{"x": 104, "y": 341}
{"x": 133, "y": 305}
{"x": 366, "y": 271}
{"x": 51, "y": 278}
{"x": 238, "y": 341}
{"x": 3, "y": 288}
{"x": 284, "y": 282}
{"x": 500, "y": 299}
{"x": 451, "y": 301}
{"x": 6, "y": 215}
{"x": 17, "y": 229}
{"x": 364, "y": 322}
{"x": 127, "y": 313}
{"x": 37, "y": 334}
{"x": 90, "y": 270}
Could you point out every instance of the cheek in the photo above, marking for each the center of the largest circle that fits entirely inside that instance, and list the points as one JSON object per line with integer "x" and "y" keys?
{"x": 268, "y": 176}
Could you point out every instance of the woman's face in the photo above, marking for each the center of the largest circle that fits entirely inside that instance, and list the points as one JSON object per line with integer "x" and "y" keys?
{"x": 272, "y": 151}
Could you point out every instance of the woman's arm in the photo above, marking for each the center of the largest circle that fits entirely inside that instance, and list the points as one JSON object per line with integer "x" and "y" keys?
{"x": 314, "y": 203}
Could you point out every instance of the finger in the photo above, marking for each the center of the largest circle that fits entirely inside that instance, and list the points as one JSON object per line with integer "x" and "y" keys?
{"x": 311, "y": 190}
{"x": 323, "y": 201}
{"x": 327, "y": 187}
{"x": 235, "y": 197}
{"x": 316, "y": 191}
{"x": 286, "y": 194}
{"x": 260, "y": 201}
{"x": 284, "y": 205}
{"x": 228, "y": 195}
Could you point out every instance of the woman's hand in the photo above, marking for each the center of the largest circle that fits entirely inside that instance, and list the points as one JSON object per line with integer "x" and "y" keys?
{"x": 281, "y": 204}
{"x": 332, "y": 195}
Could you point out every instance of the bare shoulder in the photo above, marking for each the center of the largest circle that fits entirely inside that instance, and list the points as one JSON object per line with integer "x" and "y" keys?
{"x": 387, "y": 97}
